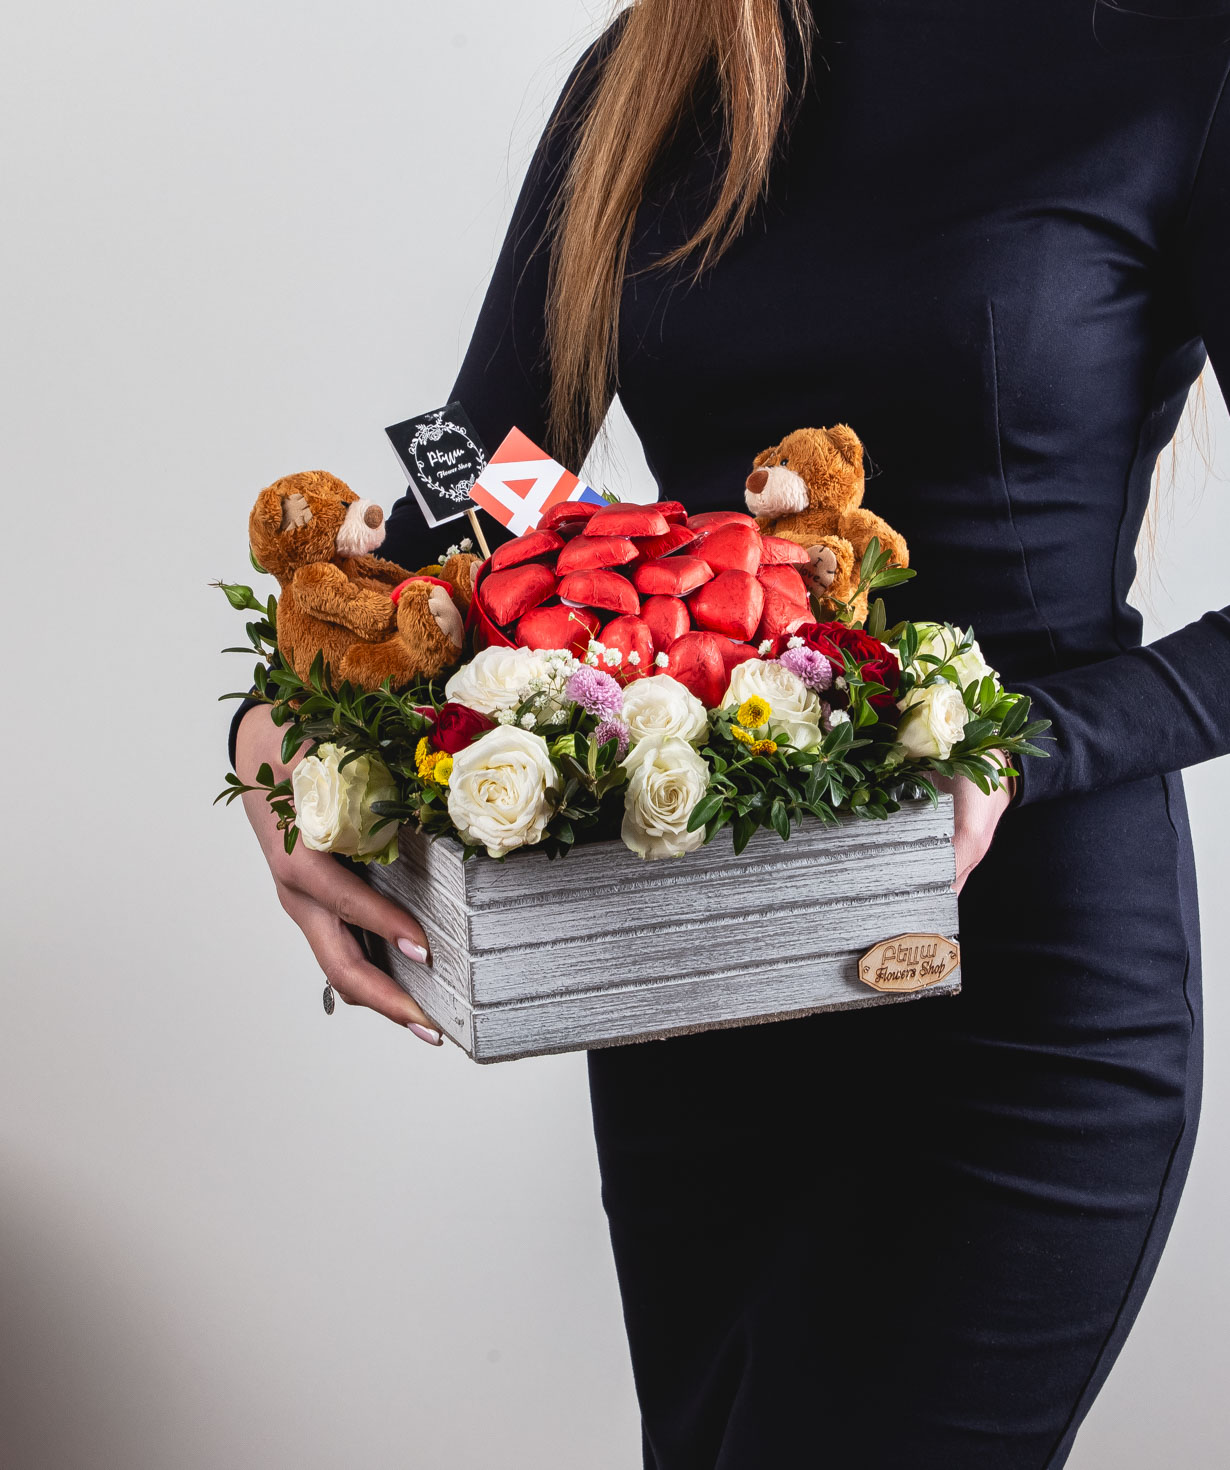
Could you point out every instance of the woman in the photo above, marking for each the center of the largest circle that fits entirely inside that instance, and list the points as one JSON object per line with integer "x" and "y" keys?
{"x": 992, "y": 238}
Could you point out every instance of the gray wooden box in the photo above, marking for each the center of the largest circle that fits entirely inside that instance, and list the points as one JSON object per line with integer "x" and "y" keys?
{"x": 599, "y": 948}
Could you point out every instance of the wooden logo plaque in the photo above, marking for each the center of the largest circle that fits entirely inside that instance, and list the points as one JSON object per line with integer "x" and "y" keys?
{"x": 909, "y": 962}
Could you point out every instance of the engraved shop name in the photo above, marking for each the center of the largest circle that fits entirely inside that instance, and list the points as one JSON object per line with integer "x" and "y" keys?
{"x": 903, "y": 962}
{"x": 445, "y": 457}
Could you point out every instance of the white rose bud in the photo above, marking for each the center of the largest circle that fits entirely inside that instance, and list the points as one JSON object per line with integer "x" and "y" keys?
{"x": 661, "y": 705}
{"x": 497, "y": 792}
{"x": 941, "y": 641}
{"x": 796, "y": 708}
{"x": 932, "y": 722}
{"x": 496, "y": 679}
{"x": 333, "y": 804}
{"x": 666, "y": 779}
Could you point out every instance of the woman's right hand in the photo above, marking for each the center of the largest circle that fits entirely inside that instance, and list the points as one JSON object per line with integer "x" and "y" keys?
{"x": 323, "y": 897}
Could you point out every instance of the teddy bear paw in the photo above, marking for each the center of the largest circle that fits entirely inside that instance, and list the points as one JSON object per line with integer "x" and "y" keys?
{"x": 823, "y": 567}
{"x": 442, "y": 607}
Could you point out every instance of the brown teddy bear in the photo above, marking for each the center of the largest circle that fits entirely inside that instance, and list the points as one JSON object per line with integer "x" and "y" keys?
{"x": 809, "y": 489}
{"x": 372, "y": 619}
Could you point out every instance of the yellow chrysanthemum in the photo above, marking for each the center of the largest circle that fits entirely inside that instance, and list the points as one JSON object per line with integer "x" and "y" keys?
{"x": 740, "y": 734}
{"x": 765, "y": 747}
{"x": 754, "y": 712}
{"x": 444, "y": 769}
{"x": 427, "y": 760}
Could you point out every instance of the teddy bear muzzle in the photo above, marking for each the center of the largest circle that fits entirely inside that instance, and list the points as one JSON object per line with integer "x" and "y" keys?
{"x": 776, "y": 491}
{"x": 362, "y": 531}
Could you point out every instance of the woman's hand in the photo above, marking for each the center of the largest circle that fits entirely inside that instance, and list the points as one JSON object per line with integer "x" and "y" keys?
{"x": 322, "y": 897}
{"x": 976, "y": 816}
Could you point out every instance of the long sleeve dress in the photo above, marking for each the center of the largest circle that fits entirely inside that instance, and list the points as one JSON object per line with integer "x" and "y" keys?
{"x": 997, "y": 244}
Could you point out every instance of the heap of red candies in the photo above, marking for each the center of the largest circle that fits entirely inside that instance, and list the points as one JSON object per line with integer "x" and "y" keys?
{"x": 706, "y": 590}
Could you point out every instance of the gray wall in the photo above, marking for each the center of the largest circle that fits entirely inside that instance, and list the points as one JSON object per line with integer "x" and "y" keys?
{"x": 238, "y": 239}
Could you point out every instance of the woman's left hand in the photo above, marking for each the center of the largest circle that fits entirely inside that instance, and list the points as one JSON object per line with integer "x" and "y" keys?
{"x": 976, "y": 817}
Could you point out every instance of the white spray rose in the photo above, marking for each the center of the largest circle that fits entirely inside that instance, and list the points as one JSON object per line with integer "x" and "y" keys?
{"x": 661, "y": 705}
{"x": 932, "y": 722}
{"x": 497, "y": 791}
{"x": 942, "y": 641}
{"x": 333, "y": 804}
{"x": 796, "y": 709}
{"x": 496, "y": 680}
{"x": 666, "y": 778}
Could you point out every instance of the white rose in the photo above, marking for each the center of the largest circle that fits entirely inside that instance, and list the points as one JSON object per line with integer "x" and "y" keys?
{"x": 796, "y": 708}
{"x": 666, "y": 778}
{"x": 942, "y": 641}
{"x": 333, "y": 805}
{"x": 496, "y": 679}
{"x": 497, "y": 791}
{"x": 932, "y": 722}
{"x": 661, "y": 705}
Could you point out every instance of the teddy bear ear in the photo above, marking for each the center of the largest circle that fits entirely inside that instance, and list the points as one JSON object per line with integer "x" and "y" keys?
{"x": 847, "y": 443}
{"x": 274, "y": 512}
{"x": 763, "y": 458}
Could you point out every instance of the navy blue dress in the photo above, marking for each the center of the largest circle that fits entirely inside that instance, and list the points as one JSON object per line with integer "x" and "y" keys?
{"x": 998, "y": 245}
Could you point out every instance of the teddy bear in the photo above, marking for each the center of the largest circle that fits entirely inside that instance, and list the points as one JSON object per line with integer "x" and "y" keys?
{"x": 370, "y": 618}
{"x": 809, "y": 489}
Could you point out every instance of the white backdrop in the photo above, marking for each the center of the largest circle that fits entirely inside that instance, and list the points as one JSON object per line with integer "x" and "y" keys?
{"x": 237, "y": 241}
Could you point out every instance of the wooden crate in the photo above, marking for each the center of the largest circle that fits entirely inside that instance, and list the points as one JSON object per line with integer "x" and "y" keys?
{"x": 532, "y": 956}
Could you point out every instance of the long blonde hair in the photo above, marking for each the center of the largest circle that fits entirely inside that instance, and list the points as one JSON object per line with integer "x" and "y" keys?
{"x": 664, "y": 51}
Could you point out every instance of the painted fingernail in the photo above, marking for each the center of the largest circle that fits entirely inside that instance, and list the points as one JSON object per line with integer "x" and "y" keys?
{"x": 413, "y": 951}
{"x": 425, "y": 1033}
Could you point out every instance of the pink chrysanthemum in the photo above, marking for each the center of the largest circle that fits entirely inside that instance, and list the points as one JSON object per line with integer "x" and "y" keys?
{"x": 613, "y": 730}
{"x": 812, "y": 667}
{"x": 596, "y": 692}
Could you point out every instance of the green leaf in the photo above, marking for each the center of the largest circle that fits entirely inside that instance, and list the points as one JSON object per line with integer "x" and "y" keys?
{"x": 704, "y": 811}
{"x": 893, "y": 576}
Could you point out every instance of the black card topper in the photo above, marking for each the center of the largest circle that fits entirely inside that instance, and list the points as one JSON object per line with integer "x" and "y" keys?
{"x": 442, "y": 456}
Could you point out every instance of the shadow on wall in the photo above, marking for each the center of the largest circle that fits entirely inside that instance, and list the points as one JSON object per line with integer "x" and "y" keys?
{"x": 95, "y": 1371}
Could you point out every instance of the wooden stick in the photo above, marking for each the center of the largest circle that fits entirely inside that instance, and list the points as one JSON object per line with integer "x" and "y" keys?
{"x": 478, "y": 532}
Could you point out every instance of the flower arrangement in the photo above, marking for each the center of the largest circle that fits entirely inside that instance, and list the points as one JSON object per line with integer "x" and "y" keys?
{"x": 524, "y": 748}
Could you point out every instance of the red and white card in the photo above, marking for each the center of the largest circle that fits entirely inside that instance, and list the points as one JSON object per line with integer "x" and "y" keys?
{"x": 522, "y": 482}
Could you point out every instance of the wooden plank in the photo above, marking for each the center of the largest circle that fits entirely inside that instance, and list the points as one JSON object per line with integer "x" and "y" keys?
{"x": 669, "y": 1007}
{"x": 697, "y": 944}
{"x": 450, "y": 1011}
{"x": 760, "y": 894}
{"x": 677, "y": 1006}
{"x": 527, "y": 876}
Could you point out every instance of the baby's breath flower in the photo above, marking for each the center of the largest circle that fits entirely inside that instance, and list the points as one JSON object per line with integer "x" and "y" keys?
{"x": 765, "y": 648}
{"x": 634, "y": 658}
{"x": 838, "y": 717}
{"x": 795, "y": 642}
{"x": 527, "y": 721}
{"x": 660, "y": 660}
{"x": 612, "y": 657}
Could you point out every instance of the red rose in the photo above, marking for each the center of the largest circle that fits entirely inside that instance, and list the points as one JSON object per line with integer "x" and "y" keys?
{"x": 876, "y": 664}
{"x": 458, "y": 726}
